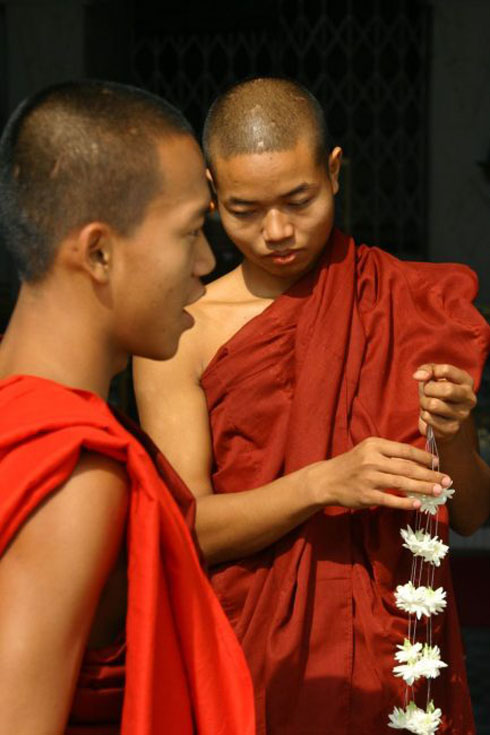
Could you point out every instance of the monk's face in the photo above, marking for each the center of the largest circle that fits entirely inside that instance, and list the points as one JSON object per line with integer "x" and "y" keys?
{"x": 158, "y": 266}
{"x": 278, "y": 208}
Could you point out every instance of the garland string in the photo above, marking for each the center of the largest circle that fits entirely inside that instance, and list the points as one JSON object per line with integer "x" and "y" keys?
{"x": 420, "y": 659}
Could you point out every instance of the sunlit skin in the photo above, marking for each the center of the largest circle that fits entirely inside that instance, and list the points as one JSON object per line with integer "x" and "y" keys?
{"x": 159, "y": 266}
{"x": 278, "y": 208}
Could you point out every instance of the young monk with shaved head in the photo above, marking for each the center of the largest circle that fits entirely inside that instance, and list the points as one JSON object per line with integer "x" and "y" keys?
{"x": 108, "y": 626}
{"x": 296, "y": 411}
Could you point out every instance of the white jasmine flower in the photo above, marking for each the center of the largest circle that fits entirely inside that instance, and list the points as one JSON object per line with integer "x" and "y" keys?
{"x": 416, "y": 720}
{"x": 398, "y": 719}
{"x": 408, "y": 657}
{"x": 408, "y": 672}
{"x": 435, "y": 600}
{"x": 420, "y": 600}
{"x": 430, "y": 548}
{"x": 431, "y": 503}
{"x": 423, "y": 723}
{"x": 417, "y": 661}
{"x": 411, "y": 599}
{"x": 429, "y": 664}
{"x": 408, "y": 652}
{"x": 434, "y": 551}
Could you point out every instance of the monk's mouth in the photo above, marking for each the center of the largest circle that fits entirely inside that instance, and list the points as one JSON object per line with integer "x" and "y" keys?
{"x": 284, "y": 257}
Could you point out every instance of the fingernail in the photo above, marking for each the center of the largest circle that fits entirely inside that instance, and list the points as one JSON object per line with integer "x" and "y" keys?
{"x": 421, "y": 375}
{"x": 446, "y": 481}
{"x": 416, "y": 504}
{"x": 437, "y": 489}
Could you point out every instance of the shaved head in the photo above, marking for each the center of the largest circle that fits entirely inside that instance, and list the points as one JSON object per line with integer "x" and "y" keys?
{"x": 264, "y": 115}
{"x": 75, "y": 153}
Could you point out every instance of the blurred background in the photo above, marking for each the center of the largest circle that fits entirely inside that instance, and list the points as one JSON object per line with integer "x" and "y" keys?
{"x": 406, "y": 88}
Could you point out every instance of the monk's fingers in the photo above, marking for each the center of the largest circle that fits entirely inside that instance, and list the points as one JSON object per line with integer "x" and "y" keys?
{"x": 449, "y": 392}
{"x": 451, "y": 374}
{"x": 405, "y": 468}
{"x": 422, "y": 426}
{"x": 442, "y": 371}
{"x": 444, "y": 428}
{"x": 424, "y": 372}
{"x": 388, "y": 500}
{"x": 408, "y": 484}
{"x": 437, "y": 407}
{"x": 403, "y": 451}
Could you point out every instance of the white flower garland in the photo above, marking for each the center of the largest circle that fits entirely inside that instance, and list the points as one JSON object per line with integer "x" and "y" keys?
{"x": 416, "y": 720}
{"x": 430, "y": 548}
{"x": 416, "y": 659}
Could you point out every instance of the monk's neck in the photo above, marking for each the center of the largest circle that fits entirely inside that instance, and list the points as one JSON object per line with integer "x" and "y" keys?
{"x": 264, "y": 285}
{"x": 58, "y": 344}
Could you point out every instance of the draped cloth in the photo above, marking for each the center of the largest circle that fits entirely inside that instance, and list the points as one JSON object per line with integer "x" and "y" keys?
{"x": 326, "y": 365}
{"x": 181, "y": 668}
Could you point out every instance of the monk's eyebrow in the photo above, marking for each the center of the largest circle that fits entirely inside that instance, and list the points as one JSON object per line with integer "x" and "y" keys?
{"x": 244, "y": 202}
{"x": 301, "y": 189}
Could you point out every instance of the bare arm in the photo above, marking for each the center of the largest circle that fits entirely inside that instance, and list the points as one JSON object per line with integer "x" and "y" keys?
{"x": 173, "y": 410}
{"x": 447, "y": 400}
{"x": 51, "y": 577}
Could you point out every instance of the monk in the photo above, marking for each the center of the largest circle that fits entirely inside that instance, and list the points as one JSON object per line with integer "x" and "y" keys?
{"x": 108, "y": 624}
{"x": 296, "y": 411}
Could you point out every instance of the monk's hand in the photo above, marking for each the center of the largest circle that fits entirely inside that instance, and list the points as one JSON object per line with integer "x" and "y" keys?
{"x": 446, "y": 398}
{"x": 367, "y": 475}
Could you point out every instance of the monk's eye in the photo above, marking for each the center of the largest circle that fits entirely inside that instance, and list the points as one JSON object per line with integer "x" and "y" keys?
{"x": 301, "y": 203}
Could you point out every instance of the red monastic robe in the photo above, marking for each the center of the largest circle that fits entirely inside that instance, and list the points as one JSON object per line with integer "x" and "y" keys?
{"x": 184, "y": 671}
{"x": 328, "y": 364}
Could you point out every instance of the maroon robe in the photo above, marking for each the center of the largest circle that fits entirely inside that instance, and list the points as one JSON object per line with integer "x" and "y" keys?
{"x": 328, "y": 364}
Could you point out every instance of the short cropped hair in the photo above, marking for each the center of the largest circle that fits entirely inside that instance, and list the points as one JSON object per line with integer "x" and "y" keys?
{"x": 79, "y": 152}
{"x": 264, "y": 114}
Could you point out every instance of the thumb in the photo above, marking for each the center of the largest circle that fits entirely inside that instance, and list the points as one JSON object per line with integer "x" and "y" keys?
{"x": 424, "y": 372}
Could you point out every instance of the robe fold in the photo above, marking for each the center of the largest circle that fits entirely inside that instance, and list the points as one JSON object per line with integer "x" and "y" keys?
{"x": 326, "y": 365}
{"x": 181, "y": 670}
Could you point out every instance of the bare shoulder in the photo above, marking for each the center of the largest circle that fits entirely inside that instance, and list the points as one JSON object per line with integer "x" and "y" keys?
{"x": 197, "y": 345}
{"x": 221, "y": 312}
{"x": 172, "y": 404}
{"x": 69, "y": 544}
{"x": 51, "y": 578}
{"x": 225, "y": 308}
{"x": 92, "y": 498}
{"x": 224, "y": 290}
{"x": 66, "y": 549}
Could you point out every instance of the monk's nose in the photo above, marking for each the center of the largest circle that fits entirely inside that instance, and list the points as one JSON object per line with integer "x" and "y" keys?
{"x": 276, "y": 226}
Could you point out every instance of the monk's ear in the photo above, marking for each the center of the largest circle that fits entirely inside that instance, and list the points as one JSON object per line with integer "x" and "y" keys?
{"x": 91, "y": 248}
{"x": 334, "y": 164}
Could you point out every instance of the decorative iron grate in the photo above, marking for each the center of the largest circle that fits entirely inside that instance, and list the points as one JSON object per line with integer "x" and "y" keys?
{"x": 366, "y": 62}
